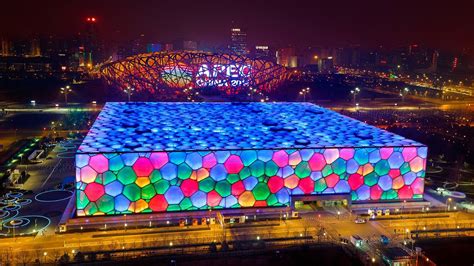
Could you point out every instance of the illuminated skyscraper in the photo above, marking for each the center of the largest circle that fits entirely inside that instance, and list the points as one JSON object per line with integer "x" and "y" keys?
{"x": 190, "y": 45}
{"x": 35, "y": 49}
{"x": 5, "y": 48}
{"x": 287, "y": 57}
{"x": 238, "y": 41}
{"x": 90, "y": 44}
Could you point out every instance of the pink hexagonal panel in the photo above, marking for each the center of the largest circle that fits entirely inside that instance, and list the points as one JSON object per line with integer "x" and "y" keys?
{"x": 233, "y": 164}
{"x": 142, "y": 167}
{"x": 158, "y": 159}
{"x": 99, "y": 162}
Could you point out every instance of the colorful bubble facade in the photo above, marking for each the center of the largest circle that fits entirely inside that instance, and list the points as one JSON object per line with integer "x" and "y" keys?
{"x": 110, "y": 183}
{"x": 157, "y": 126}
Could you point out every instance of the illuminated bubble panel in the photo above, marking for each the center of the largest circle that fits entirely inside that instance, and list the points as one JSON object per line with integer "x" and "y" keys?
{"x": 140, "y": 182}
{"x": 154, "y": 126}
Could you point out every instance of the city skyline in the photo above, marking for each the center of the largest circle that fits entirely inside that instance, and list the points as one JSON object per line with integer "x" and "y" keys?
{"x": 303, "y": 23}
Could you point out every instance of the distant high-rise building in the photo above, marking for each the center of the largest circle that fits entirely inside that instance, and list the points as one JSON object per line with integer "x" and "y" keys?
{"x": 187, "y": 45}
{"x": 93, "y": 49}
{"x": 287, "y": 57}
{"x": 6, "y": 48}
{"x": 35, "y": 48}
{"x": 238, "y": 41}
{"x": 153, "y": 47}
{"x": 326, "y": 65}
{"x": 190, "y": 45}
{"x": 139, "y": 45}
{"x": 168, "y": 47}
{"x": 454, "y": 65}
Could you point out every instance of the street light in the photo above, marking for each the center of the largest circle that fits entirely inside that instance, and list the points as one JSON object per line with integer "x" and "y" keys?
{"x": 66, "y": 91}
{"x": 303, "y": 92}
{"x": 354, "y": 92}
{"x": 403, "y": 93}
{"x": 128, "y": 91}
{"x": 448, "y": 202}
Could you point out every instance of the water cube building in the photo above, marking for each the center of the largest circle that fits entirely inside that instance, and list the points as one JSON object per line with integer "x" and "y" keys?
{"x": 141, "y": 157}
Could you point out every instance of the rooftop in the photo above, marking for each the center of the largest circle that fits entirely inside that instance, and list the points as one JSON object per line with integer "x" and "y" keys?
{"x": 395, "y": 253}
{"x": 185, "y": 126}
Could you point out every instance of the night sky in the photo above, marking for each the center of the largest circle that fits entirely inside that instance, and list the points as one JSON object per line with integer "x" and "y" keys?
{"x": 437, "y": 24}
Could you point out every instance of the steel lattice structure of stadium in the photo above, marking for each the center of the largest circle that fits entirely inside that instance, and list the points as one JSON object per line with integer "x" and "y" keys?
{"x": 162, "y": 71}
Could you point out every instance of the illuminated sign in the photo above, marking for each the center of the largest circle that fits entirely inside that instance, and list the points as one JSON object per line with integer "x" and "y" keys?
{"x": 232, "y": 75}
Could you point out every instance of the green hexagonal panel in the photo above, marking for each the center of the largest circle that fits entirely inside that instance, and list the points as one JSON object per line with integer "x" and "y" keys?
{"x": 155, "y": 176}
{"x": 127, "y": 175}
{"x": 223, "y": 188}
{"x": 271, "y": 168}
{"x": 382, "y": 167}
{"x": 232, "y": 178}
{"x": 106, "y": 203}
{"x": 405, "y": 168}
{"x": 320, "y": 185}
{"x": 371, "y": 179}
{"x": 389, "y": 195}
{"x": 148, "y": 192}
{"x": 257, "y": 168}
{"x": 109, "y": 177}
{"x": 327, "y": 170}
{"x": 185, "y": 204}
{"x": 303, "y": 170}
{"x": 339, "y": 166}
{"x": 173, "y": 207}
{"x": 244, "y": 173}
{"x": 132, "y": 192}
{"x": 272, "y": 200}
{"x": 91, "y": 208}
{"x": 115, "y": 163}
{"x": 81, "y": 200}
{"x": 161, "y": 186}
{"x": 353, "y": 195}
{"x": 184, "y": 171}
{"x": 261, "y": 191}
{"x": 206, "y": 184}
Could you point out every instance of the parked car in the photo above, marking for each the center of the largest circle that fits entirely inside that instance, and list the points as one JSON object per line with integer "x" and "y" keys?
{"x": 384, "y": 239}
{"x": 360, "y": 220}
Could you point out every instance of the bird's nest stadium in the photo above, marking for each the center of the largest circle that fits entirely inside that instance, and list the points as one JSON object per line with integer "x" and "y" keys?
{"x": 165, "y": 72}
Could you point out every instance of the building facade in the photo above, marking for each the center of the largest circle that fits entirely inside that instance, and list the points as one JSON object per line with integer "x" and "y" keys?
{"x": 165, "y": 157}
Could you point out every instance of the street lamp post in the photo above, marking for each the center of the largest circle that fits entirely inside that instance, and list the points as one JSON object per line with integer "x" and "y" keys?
{"x": 66, "y": 91}
{"x": 354, "y": 93}
{"x": 448, "y": 202}
{"x": 303, "y": 92}
{"x": 404, "y": 93}
{"x": 128, "y": 91}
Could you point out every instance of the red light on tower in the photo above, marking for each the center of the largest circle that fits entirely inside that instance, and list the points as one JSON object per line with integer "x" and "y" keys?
{"x": 88, "y": 19}
{"x": 93, "y": 19}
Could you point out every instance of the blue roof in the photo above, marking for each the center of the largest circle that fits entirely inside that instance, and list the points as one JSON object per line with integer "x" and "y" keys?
{"x": 186, "y": 126}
